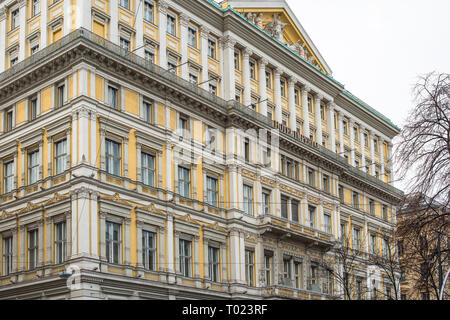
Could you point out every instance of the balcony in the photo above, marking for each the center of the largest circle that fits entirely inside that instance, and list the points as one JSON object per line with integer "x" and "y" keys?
{"x": 283, "y": 227}
{"x": 98, "y": 43}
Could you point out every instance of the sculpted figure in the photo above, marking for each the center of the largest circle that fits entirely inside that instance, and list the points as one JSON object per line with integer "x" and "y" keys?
{"x": 251, "y": 17}
{"x": 276, "y": 27}
{"x": 259, "y": 20}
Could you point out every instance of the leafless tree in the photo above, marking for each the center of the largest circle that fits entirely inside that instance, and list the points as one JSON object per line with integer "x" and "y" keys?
{"x": 388, "y": 262}
{"x": 340, "y": 262}
{"x": 422, "y": 252}
{"x": 423, "y": 153}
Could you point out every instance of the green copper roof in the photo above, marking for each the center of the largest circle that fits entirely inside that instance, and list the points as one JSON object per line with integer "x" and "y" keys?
{"x": 344, "y": 91}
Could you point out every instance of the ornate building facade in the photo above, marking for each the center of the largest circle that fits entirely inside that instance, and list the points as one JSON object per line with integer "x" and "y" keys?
{"x": 181, "y": 149}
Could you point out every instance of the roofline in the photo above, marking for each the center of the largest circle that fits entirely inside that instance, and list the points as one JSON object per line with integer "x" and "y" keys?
{"x": 345, "y": 92}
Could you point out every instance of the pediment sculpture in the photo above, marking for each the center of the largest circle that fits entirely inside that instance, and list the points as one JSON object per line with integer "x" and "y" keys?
{"x": 276, "y": 27}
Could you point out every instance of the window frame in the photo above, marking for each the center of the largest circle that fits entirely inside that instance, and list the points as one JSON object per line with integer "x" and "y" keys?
{"x": 111, "y": 243}
{"x": 33, "y": 248}
{"x": 184, "y": 180}
{"x": 62, "y": 243}
{"x": 247, "y": 199}
{"x": 149, "y": 250}
{"x": 112, "y": 140}
{"x": 185, "y": 258}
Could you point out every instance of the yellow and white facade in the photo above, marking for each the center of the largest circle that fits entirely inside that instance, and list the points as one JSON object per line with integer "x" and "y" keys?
{"x": 181, "y": 149}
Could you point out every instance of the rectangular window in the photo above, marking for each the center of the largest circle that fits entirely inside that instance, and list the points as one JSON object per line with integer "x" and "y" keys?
{"x": 171, "y": 20}
{"x": 355, "y": 200}
{"x": 311, "y": 176}
{"x": 211, "y": 191}
{"x": 326, "y": 183}
{"x": 172, "y": 67}
{"x": 34, "y": 49}
{"x": 356, "y": 239}
{"x": 298, "y": 274}
{"x": 385, "y": 249}
{"x": 60, "y": 89}
{"x": 113, "y": 242}
{"x": 327, "y": 223}
{"x": 252, "y": 69}
{"x": 345, "y": 125}
{"x": 36, "y": 7}
{"x": 125, "y": 43}
{"x": 213, "y": 89}
{"x": 193, "y": 78}
{"x": 150, "y": 56}
{"x": 268, "y": 79}
{"x": 33, "y": 108}
{"x": 60, "y": 156}
{"x": 250, "y": 267}
{"x": 33, "y": 241}
{"x": 14, "y": 19}
{"x": 248, "y": 199}
{"x": 344, "y": 240}
{"x": 371, "y": 207}
{"x": 7, "y": 255}
{"x": 237, "y": 65}
{"x": 266, "y": 201}
{"x": 14, "y": 60}
{"x": 113, "y": 157}
{"x": 185, "y": 257}
{"x": 385, "y": 212}
{"x": 372, "y": 243}
{"x": 294, "y": 210}
{"x": 212, "y": 48}
{"x": 247, "y": 150}
{"x": 125, "y": 4}
{"x": 9, "y": 119}
{"x": 148, "y": 169}
{"x": 113, "y": 95}
{"x": 192, "y": 37}
{"x": 312, "y": 216}
{"x": 8, "y": 176}
{"x": 149, "y": 250}
{"x": 283, "y": 87}
{"x": 60, "y": 242}
{"x": 287, "y": 272}
{"x": 359, "y": 289}
{"x": 322, "y": 112}
{"x": 33, "y": 166}
{"x": 148, "y": 11}
{"x": 213, "y": 263}
{"x": 184, "y": 182}
{"x": 284, "y": 203}
{"x": 268, "y": 260}
{"x": 297, "y": 96}
{"x": 310, "y": 105}
{"x": 147, "y": 111}
{"x": 183, "y": 126}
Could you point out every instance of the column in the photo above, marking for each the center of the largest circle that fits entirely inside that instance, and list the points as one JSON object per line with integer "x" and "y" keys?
{"x": 372, "y": 151}
{"x": 233, "y": 187}
{"x": 93, "y": 125}
{"x": 184, "y": 23}
{"x": 382, "y": 158}
{"x": 160, "y": 250}
{"x": 390, "y": 146}
{"x": 169, "y": 187}
{"x": 139, "y": 226}
{"x": 229, "y": 85}
{"x": 241, "y": 252}
{"x": 83, "y": 147}
{"x": 260, "y": 263}
{"x": 23, "y": 29}
{"x": 170, "y": 244}
{"x": 221, "y": 64}
{"x": 305, "y": 92}
{"x": 352, "y": 141}
{"x": 41, "y": 244}
{"x": 15, "y": 254}
{"x": 196, "y": 254}
{"x": 114, "y": 22}
{"x": 23, "y": 237}
{"x": 48, "y": 244}
{"x": 262, "y": 86}
{"x": 127, "y": 257}
{"x": 139, "y": 24}
{"x": 162, "y": 25}
{"x": 331, "y": 128}
{"x": 277, "y": 93}
{"x": 84, "y": 14}
{"x": 363, "y": 146}
{"x": 246, "y": 53}
{"x": 102, "y": 231}
{"x": 204, "y": 35}
{"x": 43, "y": 21}
{"x": 234, "y": 256}
{"x": 319, "y": 137}
{"x": 3, "y": 38}
{"x": 341, "y": 131}
{"x": 292, "y": 109}
{"x": 82, "y": 10}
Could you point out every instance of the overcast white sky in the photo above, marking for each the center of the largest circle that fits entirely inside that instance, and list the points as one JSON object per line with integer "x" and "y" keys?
{"x": 378, "y": 48}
